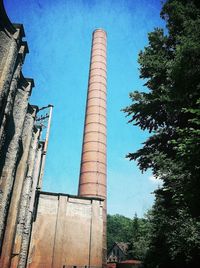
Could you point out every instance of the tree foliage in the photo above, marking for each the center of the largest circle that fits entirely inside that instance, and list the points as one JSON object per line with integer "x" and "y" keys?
{"x": 133, "y": 231}
{"x": 118, "y": 229}
{"x": 170, "y": 111}
{"x": 139, "y": 242}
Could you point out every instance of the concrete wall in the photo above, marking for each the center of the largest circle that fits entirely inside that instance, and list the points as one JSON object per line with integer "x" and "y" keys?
{"x": 67, "y": 232}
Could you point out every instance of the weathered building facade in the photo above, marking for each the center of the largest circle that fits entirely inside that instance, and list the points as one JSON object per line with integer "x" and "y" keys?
{"x": 20, "y": 146}
{"x": 40, "y": 229}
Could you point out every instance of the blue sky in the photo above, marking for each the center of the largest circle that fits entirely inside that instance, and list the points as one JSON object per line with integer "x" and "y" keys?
{"x": 59, "y": 38}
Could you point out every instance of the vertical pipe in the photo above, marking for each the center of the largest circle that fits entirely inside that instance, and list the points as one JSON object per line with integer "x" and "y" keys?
{"x": 90, "y": 240}
{"x": 58, "y": 239}
{"x": 92, "y": 181}
{"x": 36, "y": 173}
{"x": 45, "y": 148}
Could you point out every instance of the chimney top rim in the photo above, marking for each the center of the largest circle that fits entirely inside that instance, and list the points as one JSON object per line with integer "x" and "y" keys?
{"x": 99, "y": 30}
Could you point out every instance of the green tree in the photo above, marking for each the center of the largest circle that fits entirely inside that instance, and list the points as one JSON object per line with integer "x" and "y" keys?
{"x": 139, "y": 242}
{"x": 135, "y": 232}
{"x": 119, "y": 229}
{"x": 170, "y": 111}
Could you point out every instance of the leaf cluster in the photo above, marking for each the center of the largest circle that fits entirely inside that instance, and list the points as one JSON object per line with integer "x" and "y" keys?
{"x": 118, "y": 229}
{"x": 170, "y": 112}
{"x": 134, "y": 231}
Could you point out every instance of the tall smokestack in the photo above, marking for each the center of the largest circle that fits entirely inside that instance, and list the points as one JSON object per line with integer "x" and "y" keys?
{"x": 92, "y": 181}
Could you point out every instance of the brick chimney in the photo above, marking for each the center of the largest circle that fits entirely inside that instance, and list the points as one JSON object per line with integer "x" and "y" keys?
{"x": 92, "y": 181}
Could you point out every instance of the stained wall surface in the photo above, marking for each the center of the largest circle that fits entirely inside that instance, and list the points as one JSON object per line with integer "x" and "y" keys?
{"x": 67, "y": 232}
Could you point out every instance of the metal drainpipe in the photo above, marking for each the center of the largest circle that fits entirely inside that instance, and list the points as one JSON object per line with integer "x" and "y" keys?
{"x": 43, "y": 160}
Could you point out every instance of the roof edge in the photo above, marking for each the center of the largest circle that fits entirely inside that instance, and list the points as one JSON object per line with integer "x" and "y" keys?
{"x": 72, "y": 196}
{"x": 4, "y": 20}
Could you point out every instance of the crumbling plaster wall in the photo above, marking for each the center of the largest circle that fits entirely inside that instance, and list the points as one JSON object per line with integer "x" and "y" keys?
{"x": 20, "y": 175}
{"x": 19, "y": 143}
{"x": 14, "y": 93}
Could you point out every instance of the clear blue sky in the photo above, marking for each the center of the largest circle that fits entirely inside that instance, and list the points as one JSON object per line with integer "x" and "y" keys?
{"x": 59, "y": 37}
